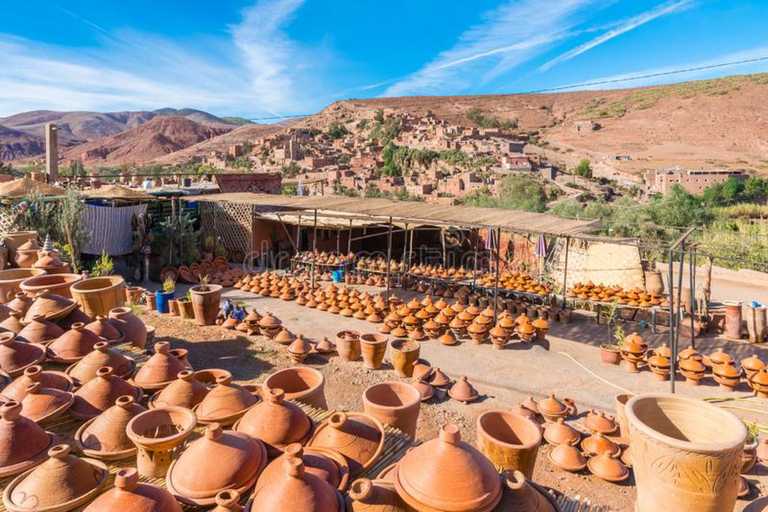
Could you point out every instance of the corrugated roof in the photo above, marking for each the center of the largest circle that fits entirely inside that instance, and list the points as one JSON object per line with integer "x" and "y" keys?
{"x": 415, "y": 212}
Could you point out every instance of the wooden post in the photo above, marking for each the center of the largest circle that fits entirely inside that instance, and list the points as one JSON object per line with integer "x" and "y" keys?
{"x": 672, "y": 342}
{"x": 565, "y": 270}
{"x": 389, "y": 253}
{"x": 498, "y": 267}
{"x": 314, "y": 248}
{"x": 298, "y": 236}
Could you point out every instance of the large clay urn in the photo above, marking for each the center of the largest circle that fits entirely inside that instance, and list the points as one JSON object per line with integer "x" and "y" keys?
{"x": 654, "y": 284}
{"x": 133, "y": 329}
{"x": 160, "y": 370}
{"x": 104, "y": 437}
{"x": 159, "y": 435}
{"x": 373, "y": 347}
{"x": 17, "y": 389}
{"x": 16, "y": 356}
{"x": 15, "y": 456}
{"x": 185, "y": 391}
{"x": 73, "y": 345}
{"x": 276, "y": 423}
{"x": 394, "y": 403}
{"x": 99, "y": 394}
{"x": 684, "y": 451}
{"x": 57, "y": 283}
{"x": 98, "y": 295}
{"x": 11, "y": 279}
{"x": 359, "y": 437}
{"x": 239, "y": 460}
{"x": 509, "y": 440}
{"x": 63, "y": 482}
{"x": 16, "y": 239}
{"x": 305, "y": 385}
{"x": 205, "y": 303}
{"x": 404, "y": 353}
{"x": 131, "y": 496}
{"x": 348, "y": 345}
{"x": 225, "y": 403}
{"x": 733, "y": 320}
{"x": 26, "y": 254}
{"x": 447, "y": 474}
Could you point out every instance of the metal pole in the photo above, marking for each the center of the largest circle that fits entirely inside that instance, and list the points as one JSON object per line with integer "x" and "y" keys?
{"x": 680, "y": 312}
{"x": 474, "y": 258}
{"x": 298, "y": 237}
{"x": 565, "y": 270}
{"x": 498, "y": 266}
{"x": 389, "y": 253}
{"x": 410, "y": 250}
{"x": 314, "y": 248}
{"x": 672, "y": 344}
{"x": 349, "y": 238}
{"x": 338, "y": 241}
{"x": 692, "y": 296}
{"x": 215, "y": 230}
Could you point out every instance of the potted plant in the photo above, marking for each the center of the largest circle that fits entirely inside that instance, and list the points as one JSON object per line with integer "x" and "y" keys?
{"x": 749, "y": 457}
{"x": 162, "y": 297}
{"x": 205, "y": 301}
{"x": 185, "y": 306}
{"x": 610, "y": 353}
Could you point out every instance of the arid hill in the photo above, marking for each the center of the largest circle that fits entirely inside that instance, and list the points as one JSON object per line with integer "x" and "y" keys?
{"x": 15, "y": 144}
{"x": 145, "y": 144}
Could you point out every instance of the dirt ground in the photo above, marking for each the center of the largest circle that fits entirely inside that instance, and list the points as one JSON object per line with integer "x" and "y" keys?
{"x": 251, "y": 359}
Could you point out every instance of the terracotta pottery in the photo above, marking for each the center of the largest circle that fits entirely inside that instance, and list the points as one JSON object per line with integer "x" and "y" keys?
{"x": 209, "y": 376}
{"x": 17, "y": 457}
{"x": 104, "y": 437}
{"x": 50, "y": 263}
{"x": 50, "y": 305}
{"x": 239, "y": 461}
{"x": 99, "y": 394}
{"x": 425, "y": 388}
{"x": 325, "y": 346}
{"x": 21, "y": 302}
{"x": 63, "y": 482}
{"x": 99, "y": 295}
{"x": 228, "y": 501}
{"x": 26, "y": 254}
{"x": 510, "y": 441}
{"x": 462, "y": 390}
{"x": 608, "y": 467}
{"x": 160, "y": 370}
{"x": 42, "y": 405}
{"x": 15, "y": 239}
{"x": 185, "y": 391}
{"x": 296, "y": 490}
{"x": 284, "y": 337}
{"x": 73, "y": 345}
{"x": 56, "y": 283}
{"x": 131, "y": 496}
{"x": 39, "y": 330}
{"x": 522, "y": 411}
{"x": 158, "y": 434}
{"x": 597, "y": 444}
{"x": 305, "y": 385}
{"x": 359, "y": 437}
{"x": 132, "y": 328}
{"x": 17, "y": 389}
{"x": 447, "y": 474}
{"x": 72, "y": 318}
{"x": 560, "y": 432}
{"x": 150, "y": 299}
{"x": 552, "y": 409}
{"x": 394, "y": 403}
{"x": 684, "y": 451}
{"x": 225, "y": 403}
{"x": 11, "y": 279}
{"x": 17, "y": 356}
{"x": 205, "y": 303}
{"x": 374, "y": 496}
{"x": 762, "y": 450}
{"x": 404, "y": 353}
{"x": 12, "y": 323}
{"x": 348, "y": 345}
{"x": 270, "y": 325}
{"x": 568, "y": 457}
{"x": 329, "y": 465}
{"x": 373, "y": 347}
{"x": 102, "y": 328}
{"x": 599, "y": 422}
{"x": 276, "y": 423}
{"x": 299, "y": 349}
{"x": 520, "y": 495}
{"x": 439, "y": 379}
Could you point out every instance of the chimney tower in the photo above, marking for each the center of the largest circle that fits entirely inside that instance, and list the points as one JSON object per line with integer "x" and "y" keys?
{"x": 52, "y": 152}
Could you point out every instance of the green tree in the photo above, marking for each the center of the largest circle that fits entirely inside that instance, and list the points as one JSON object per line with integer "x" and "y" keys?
{"x": 336, "y": 130}
{"x": 379, "y": 115}
{"x": 583, "y": 169}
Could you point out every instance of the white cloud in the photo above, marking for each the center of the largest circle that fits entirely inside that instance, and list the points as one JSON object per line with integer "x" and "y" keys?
{"x": 622, "y": 28}
{"x": 507, "y": 37}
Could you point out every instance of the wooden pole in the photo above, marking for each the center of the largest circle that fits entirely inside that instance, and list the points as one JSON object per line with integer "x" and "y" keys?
{"x": 565, "y": 269}
{"x": 389, "y": 253}
{"x": 672, "y": 343}
{"x": 298, "y": 236}
{"x": 314, "y": 248}
{"x": 498, "y": 267}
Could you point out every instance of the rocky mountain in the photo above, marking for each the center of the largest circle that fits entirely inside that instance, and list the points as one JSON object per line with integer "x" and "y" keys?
{"x": 145, "y": 144}
{"x": 15, "y": 144}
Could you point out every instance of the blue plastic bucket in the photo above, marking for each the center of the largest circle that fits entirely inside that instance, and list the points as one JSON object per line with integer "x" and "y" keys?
{"x": 337, "y": 276}
{"x": 161, "y": 301}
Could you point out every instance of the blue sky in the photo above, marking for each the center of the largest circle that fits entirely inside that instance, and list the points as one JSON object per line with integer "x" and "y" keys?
{"x": 261, "y": 58}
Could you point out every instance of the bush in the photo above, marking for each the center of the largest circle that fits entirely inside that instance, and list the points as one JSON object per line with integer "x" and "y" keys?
{"x": 584, "y": 169}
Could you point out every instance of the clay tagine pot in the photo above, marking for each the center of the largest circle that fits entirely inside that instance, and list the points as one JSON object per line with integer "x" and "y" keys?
{"x": 50, "y": 305}
{"x": 63, "y": 482}
{"x": 104, "y": 437}
{"x": 102, "y": 328}
{"x": 329, "y": 465}
{"x": 99, "y": 394}
{"x": 17, "y": 356}
{"x": 463, "y": 391}
{"x": 519, "y": 495}
{"x": 42, "y": 405}
{"x": 130, "y": 495}
{"x": 374, "y": 496}
{"x": 73, "y": 345}
{"x": 85, "y": 369}
{"x": 424, "y": 387}
{"x": 12, "y": 323}
{"x": 447, "y": 474}
{"x": 225, "y": 403}
{"x": 276, "y": 423}
{"x": 299, "y": 349}
{"x": 597, "y": 444}
{"x": 599, "y": 422}
{"x": 185, "y": 391}
{"x": 39, "y": 330}
{"x": 608, "y": 467}
{"x": 160, "y": 370}
{"x": 359, "y": 437}
{"x": 158, "y": 434}
{"x": 21, "y": 302}
{"x": 438, "y": 378}
{"x": 17, "y": 389}
{"x": 240, "y": 459}
{"x": 568, "y": 457}
{"x": 17, "y": 457}
{"x": 560, "y": 432}
{"x": 552, "y": 409}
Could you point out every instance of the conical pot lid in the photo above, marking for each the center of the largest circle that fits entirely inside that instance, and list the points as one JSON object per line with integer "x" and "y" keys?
{"x": 598, "y": 443}
{"x": 185, "y": 391}
{"x": 21, "y": 302}
{"x": 552, "y": 406}
{"x": 75, "y": 316}
{"x": 374, "y": 496}
{"x": 102, "y": 328}
{"x": 329, "y": 465}
{"x": 519, "y": 495}
{"x": 240, "y": 459}
{"x": 12, "y": 323}
{"x": 50, "y": 305}
{"x": 130, "y": 495}
{"x": 16, "y": 456}
{"x": 16, "y": 356}
{"x": 560, "y": 432}
{"x": 73, "y": 345}
{"x": 599, "y": 422}
{"x": 43, "y": 404}
{"x": 61, "y": 481}
{"x": 48, "y": 261}
{"x": 101, "y": 355}
{"x": 160, "y": 370}
{"x": 567, "y": 457}
{"x": 40, "y": 330}
{"x": 447, "y": 474}
{"x": 17, "y": 389}
{"x": 298, "y": 491}
{"x": 463, "y": 391}
{"x": 99, "y": 394}
{"x": 276, "y": 422}
{"x": 608, "y": 467}
{"x": 104, "y": 437}
{"x": 426, "y": 389}
{"x": 359, "y": 437}
{"x": 226, "y": 402}
{"x": 439, "y": 378}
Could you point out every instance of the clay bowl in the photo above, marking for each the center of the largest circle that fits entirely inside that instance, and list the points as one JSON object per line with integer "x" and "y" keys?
{"x": 305, "y": 385}
{"x": 11, "y": 279}
{"x": 56, "y": 283}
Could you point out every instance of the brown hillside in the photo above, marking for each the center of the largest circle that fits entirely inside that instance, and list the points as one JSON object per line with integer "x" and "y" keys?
{"x": 150, "y": 141}
{"x": 15, "y": 144}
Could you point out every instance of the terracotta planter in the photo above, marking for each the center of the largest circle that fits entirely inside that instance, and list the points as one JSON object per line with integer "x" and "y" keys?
{"x": 133, "y": 294}
{"x": 98, "y": 295}
{"x": 509, "y": 440}
{"x": 16, "y": 239}
{"x": 133, "y": 329}
{"x": 394, "y": 403}
{"x": 11, "y": 279}
{"x": 150, "y": 301}
{"x": 373, "y": 346}
{"x": 610, "y": 354}
{"x": 621, "y": 415}
{"x": 653, "y": 282}
{"x": 186, "y": 310}
{"x": 158, "y": 434}
{"x": 732, "y": 319}
{"x": 564, "y": 317}
{"x": 57, "y": 283}
{"x": 348, "y": 345}
{"x": 306, "y": 385}
{"x": 404, "y": 354}
{"x": 173, "y": 307}
{"x": 684, "y": 451}
{"x": 206, "y": 303}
